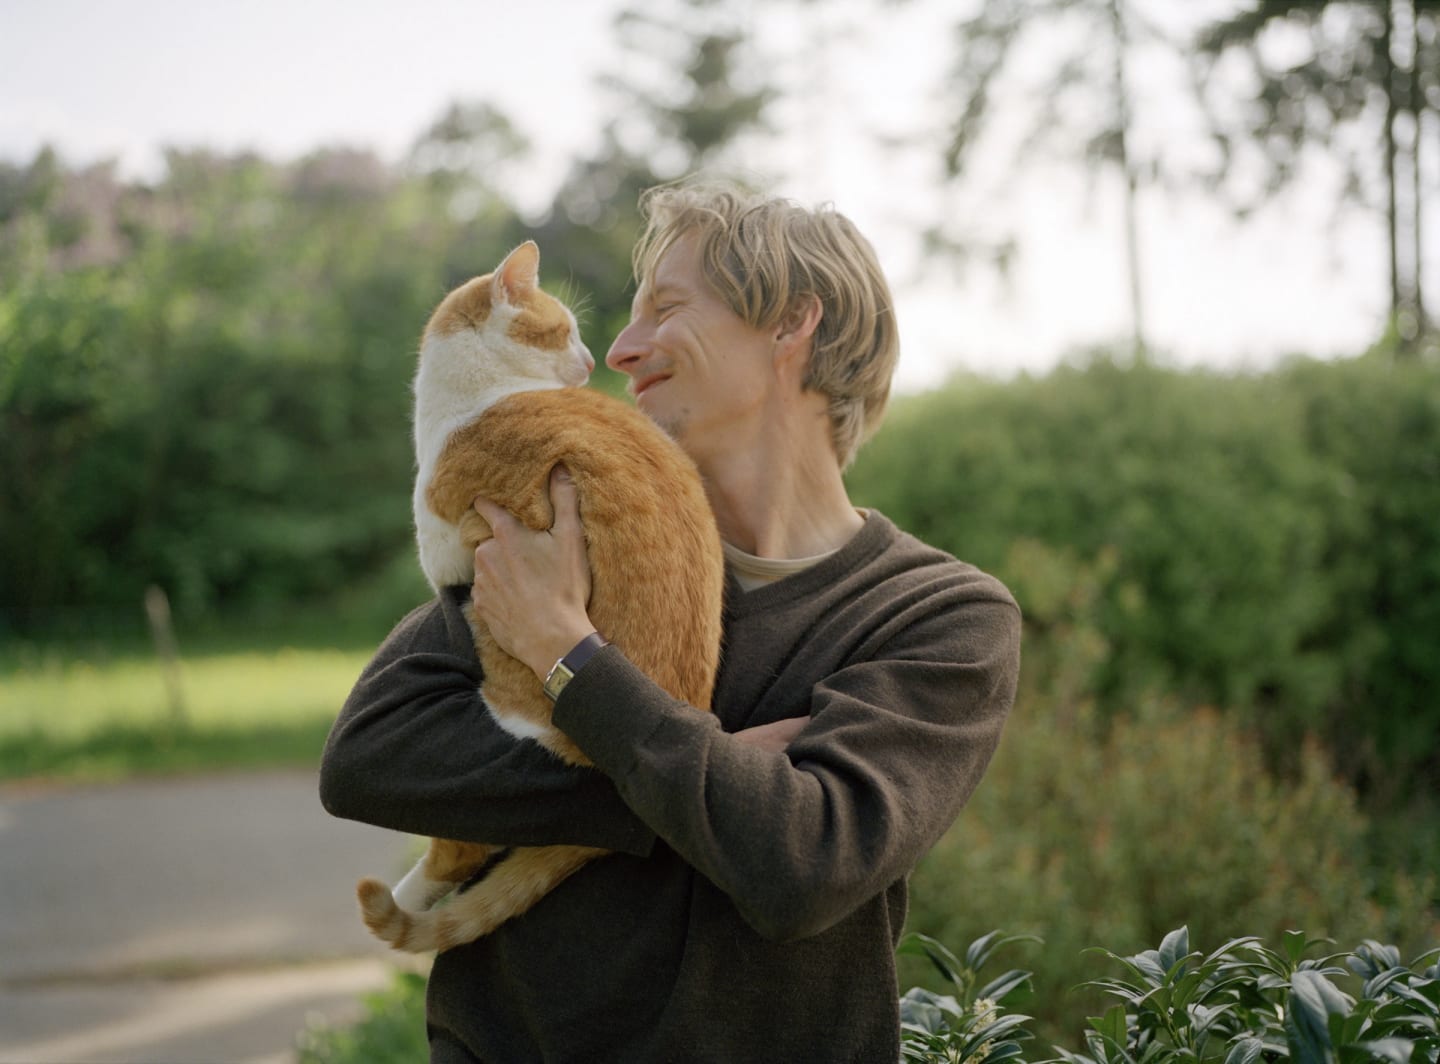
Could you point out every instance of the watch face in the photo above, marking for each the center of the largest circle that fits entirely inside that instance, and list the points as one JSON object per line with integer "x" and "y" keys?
{"x": 559, "y": 676}
{"x": 565, "y": 669}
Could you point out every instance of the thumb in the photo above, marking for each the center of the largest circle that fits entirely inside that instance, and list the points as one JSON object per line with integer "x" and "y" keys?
{"x": 492, "y": 512}
{"x": 564, "y": 499}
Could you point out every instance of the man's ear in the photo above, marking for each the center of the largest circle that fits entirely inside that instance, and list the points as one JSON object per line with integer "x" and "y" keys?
{"x": 797, "y": 327}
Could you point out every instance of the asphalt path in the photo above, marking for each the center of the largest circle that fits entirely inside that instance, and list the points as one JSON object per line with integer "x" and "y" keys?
{"x": 181, "y": 920}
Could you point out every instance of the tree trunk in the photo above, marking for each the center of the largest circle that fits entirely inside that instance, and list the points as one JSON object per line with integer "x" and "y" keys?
{"x": 1127, "y": 170}
{"x": 1417, "y": 213}
{"x": 1392, "y": 208}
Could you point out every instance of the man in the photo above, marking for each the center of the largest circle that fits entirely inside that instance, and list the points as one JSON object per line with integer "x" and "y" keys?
{"x": 752, "y": 907}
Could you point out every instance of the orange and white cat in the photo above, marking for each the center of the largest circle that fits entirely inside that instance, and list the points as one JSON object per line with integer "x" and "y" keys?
{"x": 497, "y": 407}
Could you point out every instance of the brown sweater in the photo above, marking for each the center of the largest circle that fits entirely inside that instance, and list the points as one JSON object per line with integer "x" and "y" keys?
{"x": 752, "y": 910}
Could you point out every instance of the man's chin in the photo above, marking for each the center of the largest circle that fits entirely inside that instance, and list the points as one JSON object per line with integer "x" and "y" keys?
{"x": 673, "y": 425}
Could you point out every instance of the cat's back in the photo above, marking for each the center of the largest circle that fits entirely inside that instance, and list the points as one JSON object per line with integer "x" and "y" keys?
{"x": 656, "y": 564}
{"x": 599, "y": 438}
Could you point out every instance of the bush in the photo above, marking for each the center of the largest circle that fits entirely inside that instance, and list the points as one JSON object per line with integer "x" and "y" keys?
{"x": 1086, "y": 832}
{"x": 1243, "y": 1003}
{"x": 392, "y": 1031}
{"x": 1265, "y": 544}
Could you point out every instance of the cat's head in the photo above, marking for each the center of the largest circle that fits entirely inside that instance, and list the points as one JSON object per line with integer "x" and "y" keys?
{"x": 501, "y": 332}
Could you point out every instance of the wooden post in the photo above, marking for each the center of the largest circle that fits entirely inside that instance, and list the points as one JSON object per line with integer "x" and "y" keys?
{"x": 157, "y": 608}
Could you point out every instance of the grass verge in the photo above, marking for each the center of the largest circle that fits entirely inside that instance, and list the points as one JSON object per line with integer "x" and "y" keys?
{"x": 90, "y": 719}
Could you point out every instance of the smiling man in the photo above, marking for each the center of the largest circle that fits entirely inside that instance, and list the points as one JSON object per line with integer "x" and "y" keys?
{"x": 759, "y": 885}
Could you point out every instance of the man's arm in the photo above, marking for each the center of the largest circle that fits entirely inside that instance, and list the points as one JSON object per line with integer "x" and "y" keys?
{"x": 798, "y": 839}
{"x": 415, "y": 750}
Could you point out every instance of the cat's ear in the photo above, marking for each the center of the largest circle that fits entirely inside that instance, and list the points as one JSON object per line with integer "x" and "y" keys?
{"x": 518, "y": 275}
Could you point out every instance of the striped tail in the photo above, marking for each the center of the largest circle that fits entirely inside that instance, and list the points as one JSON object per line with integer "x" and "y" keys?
{"x": 385, "y": 919}
{"x": 514, "y": 885}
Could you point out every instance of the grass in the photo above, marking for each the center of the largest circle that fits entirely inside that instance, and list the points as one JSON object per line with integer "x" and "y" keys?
{"x": 106, "y": 715}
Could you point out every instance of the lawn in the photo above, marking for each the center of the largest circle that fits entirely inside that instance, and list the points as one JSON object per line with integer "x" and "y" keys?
{"x": 106, "y": 716}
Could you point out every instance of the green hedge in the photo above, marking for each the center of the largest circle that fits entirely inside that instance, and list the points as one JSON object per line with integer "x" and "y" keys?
{"x": 1267, "y": 544}
{"x": 1086, "y": 832}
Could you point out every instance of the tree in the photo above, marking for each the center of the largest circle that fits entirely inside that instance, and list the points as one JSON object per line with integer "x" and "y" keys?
{"x": 222, "y": 407}
{"x": 687, "y": 99}
{"x": 691, "y": 89}
{"x": 1090, "y": 92}
{"x": 1356, "y": 81}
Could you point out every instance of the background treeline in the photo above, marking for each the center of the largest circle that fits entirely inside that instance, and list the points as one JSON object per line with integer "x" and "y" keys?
{"x": 204, "y": 381}
{"x": 204, "y": 385}
{"x": 1228, "y": 714}
{"x": 1266, "y": 543}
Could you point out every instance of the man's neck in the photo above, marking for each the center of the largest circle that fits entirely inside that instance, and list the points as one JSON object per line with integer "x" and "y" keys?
{"x": 780, "y": 494}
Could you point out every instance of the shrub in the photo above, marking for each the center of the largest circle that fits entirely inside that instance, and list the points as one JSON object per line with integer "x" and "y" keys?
{"x": 391, "y": 1032}
{"x": 1266, "y": 543}
{"x": 1243, "y": 1003}
{"x": 1085, "y": 833}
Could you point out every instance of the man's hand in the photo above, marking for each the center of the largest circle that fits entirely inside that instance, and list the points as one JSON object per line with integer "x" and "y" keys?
{"x": 774, "y": 736}
{"x": 531, "y": 588}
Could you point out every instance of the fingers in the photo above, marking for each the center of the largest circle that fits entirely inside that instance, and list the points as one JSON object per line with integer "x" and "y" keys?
{"x": 565, "y": 501}
{"x": 564, "y": 504}
{"x": 493, "y": 513}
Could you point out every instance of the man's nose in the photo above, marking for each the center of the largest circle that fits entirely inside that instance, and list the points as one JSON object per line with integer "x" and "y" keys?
{"x": 627, "y": 350}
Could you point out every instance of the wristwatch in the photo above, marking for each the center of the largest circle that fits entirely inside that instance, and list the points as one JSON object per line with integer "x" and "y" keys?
{"x": 564, "y": 670}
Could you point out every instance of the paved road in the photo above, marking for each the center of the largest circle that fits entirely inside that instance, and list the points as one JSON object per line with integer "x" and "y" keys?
{"x": 180, "y": 920}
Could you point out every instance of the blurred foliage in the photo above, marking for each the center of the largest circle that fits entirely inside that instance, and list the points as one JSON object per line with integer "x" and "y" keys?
{"x": 204, "y": 382}
{"x": 1354, "y": 81}
{"x": 104, "y": 714}
{"x": 1087, "y": 833}
{"x": 392, "y": 1030}
{"x": 1265, "y": 544}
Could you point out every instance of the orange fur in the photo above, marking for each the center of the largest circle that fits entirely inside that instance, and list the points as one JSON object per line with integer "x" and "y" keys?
{"x": 655, "y": 560}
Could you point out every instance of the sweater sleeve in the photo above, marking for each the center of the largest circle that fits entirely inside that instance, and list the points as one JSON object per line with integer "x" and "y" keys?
{"x": 897, "y": 741}
{"x": 415, "y": 750}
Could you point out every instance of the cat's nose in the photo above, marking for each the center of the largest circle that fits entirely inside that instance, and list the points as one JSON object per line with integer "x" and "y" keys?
{"x": 588, "y": 358}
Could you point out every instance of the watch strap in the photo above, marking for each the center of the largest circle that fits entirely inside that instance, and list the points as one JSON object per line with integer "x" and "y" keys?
{"x": 564, "y": 670}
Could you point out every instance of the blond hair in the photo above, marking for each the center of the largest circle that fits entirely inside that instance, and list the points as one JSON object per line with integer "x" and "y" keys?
{"x": 763, "y": 255}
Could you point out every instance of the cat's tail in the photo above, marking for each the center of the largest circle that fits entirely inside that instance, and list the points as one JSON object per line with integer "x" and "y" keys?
{"x": 385, "y": 919}
{"x": 511, "y": 888}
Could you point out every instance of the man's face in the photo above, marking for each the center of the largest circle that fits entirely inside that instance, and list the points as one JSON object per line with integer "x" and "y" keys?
{"x": 695, "y": 367}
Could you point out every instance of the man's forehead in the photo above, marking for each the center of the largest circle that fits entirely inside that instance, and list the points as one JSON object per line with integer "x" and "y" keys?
{"x": 673, "y": 271}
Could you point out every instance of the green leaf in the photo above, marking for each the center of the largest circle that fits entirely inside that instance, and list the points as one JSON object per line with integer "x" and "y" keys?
{"x": 1174, "y": 949}
{"x": 1004, "y": 1051}
{"x": 982, "y": 949}
{"x": 1245, "y": 1051}
{"x": 917, "y": 945}
{"x": 1295, "y": 944}
{"x": 1398, "y": 1050}
{"x": 1311, "y": 1002}
{"x": 1000, "y": 988}
{"x": 927, "y": 1011}
{"x": 1375, "y": 985}
{"x": 1147, "y": 965}
{"x": 1112, "y": 1027}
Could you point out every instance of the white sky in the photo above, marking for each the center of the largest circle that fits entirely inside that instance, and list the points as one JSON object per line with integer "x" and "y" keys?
{"x": 118, "y": 79}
